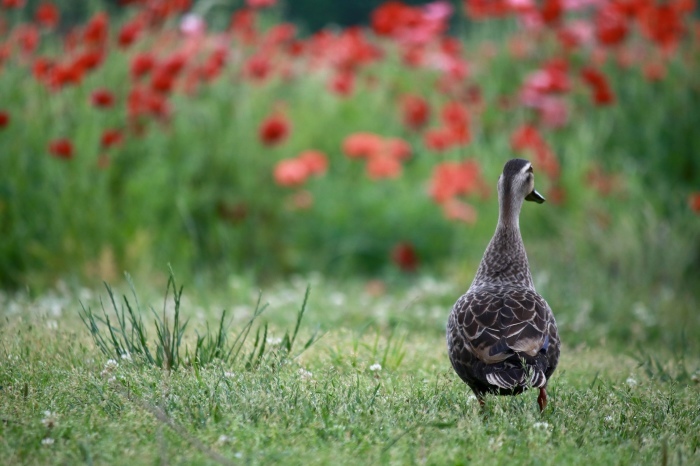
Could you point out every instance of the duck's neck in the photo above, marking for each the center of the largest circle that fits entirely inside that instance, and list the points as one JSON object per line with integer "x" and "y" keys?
{"x": 505, "y": 260}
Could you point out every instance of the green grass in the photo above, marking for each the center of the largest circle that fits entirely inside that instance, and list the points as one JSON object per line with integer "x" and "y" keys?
{"x": 610, "y": 401}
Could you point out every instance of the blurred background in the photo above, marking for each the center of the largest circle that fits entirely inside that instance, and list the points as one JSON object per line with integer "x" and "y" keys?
{"x": 357, "y": 139}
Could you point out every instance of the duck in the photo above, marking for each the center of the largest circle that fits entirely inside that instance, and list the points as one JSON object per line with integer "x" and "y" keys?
{"x": 502, "y": 337}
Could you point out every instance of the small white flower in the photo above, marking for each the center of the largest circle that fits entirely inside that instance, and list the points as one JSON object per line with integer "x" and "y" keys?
{"x": 229, "y": 375}
{"x": 608, "y": 418}
{"x": 541, "y": 425}
{"x": 471, "y": 398}
{"x": 375, "y": 367}
{"x": 304, "y": 374}
{"x": 495, "y": 443}
{"x": 111, "y": 364}
{"x": 273, "y": 341}
{"x": 223, "y": 439}
{"x": 631, "y": 382}
{"x": 49, "y": 419}
{"x": 126, "y": 356}
{"x": 47, "y": 441}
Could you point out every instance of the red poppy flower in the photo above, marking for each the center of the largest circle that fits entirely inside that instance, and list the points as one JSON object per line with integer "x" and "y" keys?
{"x": 611, "y": 24}
{"x": 27, "y": 37}
{"x": 291, "y": 172}
{"x": 415, "y": 111}
{"x": 394, "y": 16}
{"x": 142, "y": 64}
{"x": 405, "y": 257}
{"x": 95, "y": 33}
{"x": 454, "y": 178}
{"x": 456, "y": 117}
{"x": 602, "y": 93}
{"x": 261, "y": 3}
{"x": 4, "y": 119}
{"x": 383, "y": 166}
{"x": 47, "y": 15}
{"x": 129, "y": 32}
{"x": 89, "y": 60}
{"x": 274, "y": 129}
{"x": 484, "y": 9}
{"x": 142, "y": 101}
{"x": 438, "y": 139}
{"x": 316, "y": 161}
{"x": 654, "y": 71}
{"x": 41, "y": 68}
{"x": 61, "y": 148}
{"x": 111, "y": 138}
{"x": 175, "y": 63}
{"x": 398, "y": 148}
{"x": 162, "y": 81}
{"x": 694, "y": 202}
{"x": 257, "y": 67}
{"x": 661, "y": 23}
{"x": 454, "y": 209}
{"x": 10, "y": 4}
{"x": 63, "y": 74}
{"x": 525, "y": 137}
{"x": 102, "y": 98}
{"x": 551, "y": 11}
{"x": 360, "y": 145}
{"x": 342, "y": 83}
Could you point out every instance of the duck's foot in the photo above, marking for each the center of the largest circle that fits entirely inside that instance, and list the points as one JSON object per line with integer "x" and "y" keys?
{"x": 542, "y": 399}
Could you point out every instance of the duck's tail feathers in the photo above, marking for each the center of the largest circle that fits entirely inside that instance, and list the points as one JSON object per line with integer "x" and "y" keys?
{"x": 517, "y": 377}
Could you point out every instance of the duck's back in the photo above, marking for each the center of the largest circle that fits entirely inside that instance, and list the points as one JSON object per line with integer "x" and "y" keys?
{"x": 502, "y": 339}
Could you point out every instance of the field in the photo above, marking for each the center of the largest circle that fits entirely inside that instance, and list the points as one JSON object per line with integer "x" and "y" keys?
{"x": 251, "y": 159}
{"x": 376, "y": 389}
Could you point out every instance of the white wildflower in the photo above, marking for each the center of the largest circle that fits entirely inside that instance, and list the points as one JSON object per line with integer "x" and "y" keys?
{"x": 229, "y": 375}
{"x": 608, "y": 418}
{"x": 304, "y": 374}
{"x": 631, "y": 382}
{"x": 47, "y": 441}
{"x": 541, "y": 425}
{"x": 49, "y": 419}
{"x": 375, "y": 367}
{"x": 111, "y": 364}
{"x": 495, "y": 443}
{"x": 273, "y": 341}
{"x": 126, "y": 356}
{"x": 337, "y": 298}
{"x": 223, "y": 439}
{"x": 471, "y": 398}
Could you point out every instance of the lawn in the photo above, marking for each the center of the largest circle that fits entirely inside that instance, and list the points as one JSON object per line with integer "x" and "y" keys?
{"x": 377, "y": 389}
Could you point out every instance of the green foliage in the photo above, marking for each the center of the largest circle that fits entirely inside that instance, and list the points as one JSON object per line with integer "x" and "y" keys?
{"x": 129, "y": 337}
{"x": 379, "y": 388}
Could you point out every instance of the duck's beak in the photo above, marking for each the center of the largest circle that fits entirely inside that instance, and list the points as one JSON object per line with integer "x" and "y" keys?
{"x": 535, "y": 196}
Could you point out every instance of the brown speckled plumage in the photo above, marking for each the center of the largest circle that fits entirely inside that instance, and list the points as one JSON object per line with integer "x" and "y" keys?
{"x": 501, "y": 334}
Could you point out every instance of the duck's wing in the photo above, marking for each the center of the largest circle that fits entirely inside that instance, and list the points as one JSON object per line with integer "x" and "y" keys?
{"x": 504, "y": 329}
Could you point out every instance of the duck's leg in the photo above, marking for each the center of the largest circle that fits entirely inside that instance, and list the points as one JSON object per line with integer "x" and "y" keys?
{"x": 542, "y": 399}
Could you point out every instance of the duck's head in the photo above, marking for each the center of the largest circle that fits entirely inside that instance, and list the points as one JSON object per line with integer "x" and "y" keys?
{"x": 517, "y": 182}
